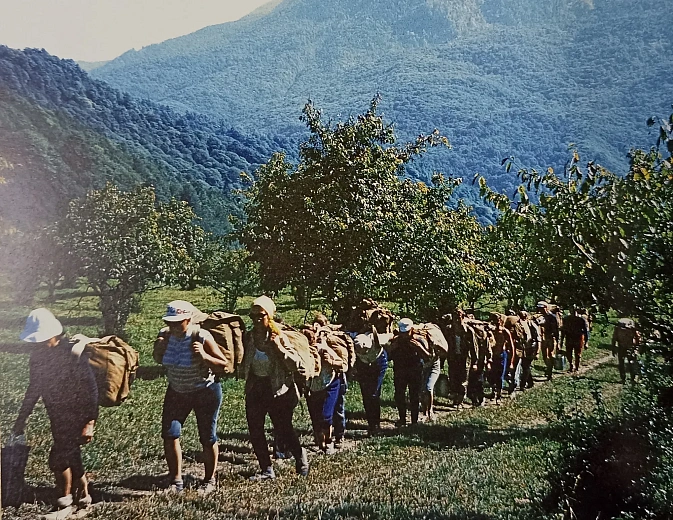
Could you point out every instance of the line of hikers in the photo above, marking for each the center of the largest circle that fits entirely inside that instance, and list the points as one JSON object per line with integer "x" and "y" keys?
{"x": 280, "y": 364}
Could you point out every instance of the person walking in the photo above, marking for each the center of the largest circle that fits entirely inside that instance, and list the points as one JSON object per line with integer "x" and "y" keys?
{"x": 323, "y": 391}
{"x": 462, "y": 342}
{"x": 191, "y": 358}
{"x": 503, "y": 354}
{"x": 575, "y": 333}
{"x": 549, "y": 326}
{"x": 270, "y": 388}
{"x": 371, "y": 363}
{"x": 67, "y": 386}
{"x": 408, "y": 351}
{"x": 625, "y": 342}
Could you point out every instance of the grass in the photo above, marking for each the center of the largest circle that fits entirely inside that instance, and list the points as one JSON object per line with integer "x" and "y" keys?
{"x": 489, "y": 462}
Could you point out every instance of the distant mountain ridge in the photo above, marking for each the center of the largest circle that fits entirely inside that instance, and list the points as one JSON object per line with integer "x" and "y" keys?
{"x": 191, "y": 156}
{"x": 498, "y": 77}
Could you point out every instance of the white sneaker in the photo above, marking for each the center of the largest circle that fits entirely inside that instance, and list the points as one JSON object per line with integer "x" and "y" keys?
{"x": 64, "y": 502}
{"x": 207, "y": 487}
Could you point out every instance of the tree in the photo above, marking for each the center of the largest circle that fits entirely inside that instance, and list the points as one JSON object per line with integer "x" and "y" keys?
{"x": 323, "y": 224}
{"x": 229, "y": 270}
{"x": 125, "y": 243}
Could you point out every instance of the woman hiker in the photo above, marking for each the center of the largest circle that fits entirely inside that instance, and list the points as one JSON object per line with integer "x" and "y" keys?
{"x": 67, "y": 386}
{"x": 270, "y": 388}
{"x": 191, "y": 357}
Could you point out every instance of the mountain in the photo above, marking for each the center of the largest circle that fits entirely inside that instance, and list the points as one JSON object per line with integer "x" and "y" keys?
{"x": 65, "y": 132}
{"x": 497, "y": 77}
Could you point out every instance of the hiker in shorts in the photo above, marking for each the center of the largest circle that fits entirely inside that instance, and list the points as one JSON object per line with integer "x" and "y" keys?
{"x": 549, "y": 326}
{"x": 575, "y": 333}
{"x": 408, "y": 351}
{"x": 625, "y": 342}
{"x": 67, "y": 386}
{"x": 270, "y": 389}
{"x": 503, "y": 354}
{"x": 191, "y": 356}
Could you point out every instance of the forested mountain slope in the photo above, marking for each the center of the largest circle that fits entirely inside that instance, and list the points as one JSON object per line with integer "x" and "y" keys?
{"x": 66, "y": 132}
{"x": 498, "y": 77}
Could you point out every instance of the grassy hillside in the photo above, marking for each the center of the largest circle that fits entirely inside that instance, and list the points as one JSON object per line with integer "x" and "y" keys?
{"x": 482, "y": 463}
{"x": 59, "y": 121}
{"x": 499, "y": 78}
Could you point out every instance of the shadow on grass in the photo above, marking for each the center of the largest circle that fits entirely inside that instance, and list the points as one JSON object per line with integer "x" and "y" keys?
{"x": 471, "y": 435}
{"x": 372, "y": 512}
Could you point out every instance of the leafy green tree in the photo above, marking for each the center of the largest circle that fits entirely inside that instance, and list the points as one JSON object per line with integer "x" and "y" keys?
{"x": 344, "y": 223}
{"x": 322, "y": 224}
{"x": 125, "y": 243}
{"x": 229, "y": 270}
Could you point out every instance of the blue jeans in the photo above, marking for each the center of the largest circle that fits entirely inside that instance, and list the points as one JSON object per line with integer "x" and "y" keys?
{"x": 206, "y": 405}
{"x": 321, "y": 405}
{"x": 370, "y": 378}
{"x": 339, "y": 418}
{"x": 431, "y": 373}
{"x": 499, "y": 373}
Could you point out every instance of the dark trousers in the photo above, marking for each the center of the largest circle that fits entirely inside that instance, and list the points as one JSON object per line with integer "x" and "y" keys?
{"x": 408, "y": 377}
{"x": 259, "y": 401}
{"x": 370, "y": 378}
{"x": 499, "y": 372}
{"x": 457, "y": 375}
{"x": 627, "y": 358}
{"x": 574, "y": 351}
{"x": 339, "y": 418}
{"x": 475, "y": 386}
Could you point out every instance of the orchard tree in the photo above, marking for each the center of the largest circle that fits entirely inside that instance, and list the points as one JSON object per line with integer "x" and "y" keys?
{"x": 344, "y": 223}
{"x": 322, "y": 224}
{"x": 125, "y": 243}
{"x": 229, "y": 270}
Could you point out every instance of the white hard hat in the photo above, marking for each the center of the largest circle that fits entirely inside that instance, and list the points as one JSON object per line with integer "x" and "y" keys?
{"x": 41, "y": 325}
{"x": 267, "y": 304}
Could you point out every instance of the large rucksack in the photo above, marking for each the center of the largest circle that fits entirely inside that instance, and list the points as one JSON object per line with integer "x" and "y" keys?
{"x": 435, "y": 338}
{"x": 227, "y": 330}
{"x": 343, "y": 345}
{"x": 114, "y": 363}
{"x": 294, "y": 342}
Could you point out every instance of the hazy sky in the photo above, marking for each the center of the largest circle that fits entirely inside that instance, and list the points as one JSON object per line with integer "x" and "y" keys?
{"x": 95, "y": 30}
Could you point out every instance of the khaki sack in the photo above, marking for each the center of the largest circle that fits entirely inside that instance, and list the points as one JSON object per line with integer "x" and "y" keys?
{"x": 435, "y": 337}
{"x": 343, "y": 345}
{"x": 295, "y": 345}
{"x": 114, "y": 365}
{"x": 227, "y": 330}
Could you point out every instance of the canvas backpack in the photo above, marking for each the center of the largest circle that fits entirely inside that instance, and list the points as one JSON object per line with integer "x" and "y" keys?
{"x": 343, "y": 345}
{"x": 227, "y": 330}
{"x": 114, "y": 363}
{"x": 435, "y": 337}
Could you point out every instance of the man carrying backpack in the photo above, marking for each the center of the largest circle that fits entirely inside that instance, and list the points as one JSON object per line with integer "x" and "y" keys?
{"x": 408, "y": 351}
{"x": 575, "y": 333}
{"x": 67, "y": 386}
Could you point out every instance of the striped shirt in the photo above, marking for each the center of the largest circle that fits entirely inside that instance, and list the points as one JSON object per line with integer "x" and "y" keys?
{"x": 184, "y": 370}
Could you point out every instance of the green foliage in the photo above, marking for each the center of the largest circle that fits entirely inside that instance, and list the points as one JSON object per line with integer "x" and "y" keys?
{"x": 519, "y": 77}
{"x": 343, "y": 223}
{"x": 229, "y": 270}
{"x": 124, "y": 243}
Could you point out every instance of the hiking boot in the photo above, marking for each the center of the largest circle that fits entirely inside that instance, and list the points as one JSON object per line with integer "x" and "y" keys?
{"x": 207, "y": 487}
{"x": 338, "y": 441}
{"x": 267, "y": 474}
{"x": 63, "y": 502}
{"x": 301, "y": 463}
